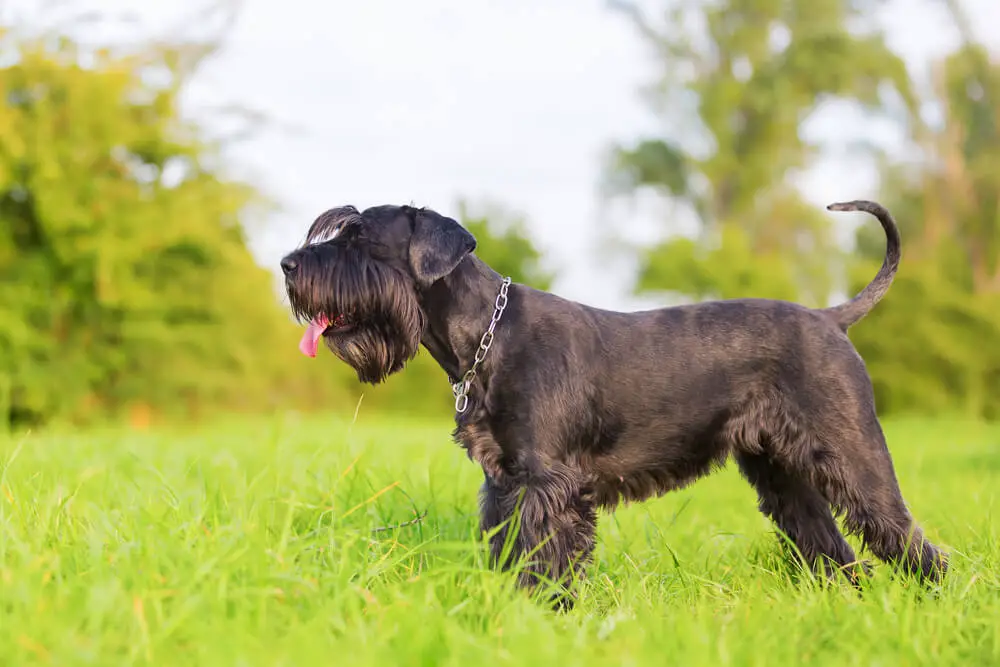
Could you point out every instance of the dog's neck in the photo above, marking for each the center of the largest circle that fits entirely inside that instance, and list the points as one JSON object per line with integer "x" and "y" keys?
{"x": 459, "y": 308}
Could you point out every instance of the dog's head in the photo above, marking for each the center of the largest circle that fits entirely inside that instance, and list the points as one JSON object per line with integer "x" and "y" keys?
{"x": 357, "y": 281}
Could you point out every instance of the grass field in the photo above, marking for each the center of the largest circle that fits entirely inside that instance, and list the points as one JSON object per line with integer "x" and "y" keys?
{"x": 272, "y": 543}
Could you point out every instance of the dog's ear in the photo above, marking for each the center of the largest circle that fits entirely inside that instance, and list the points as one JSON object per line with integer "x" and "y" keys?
{"x": 437, "y": 245}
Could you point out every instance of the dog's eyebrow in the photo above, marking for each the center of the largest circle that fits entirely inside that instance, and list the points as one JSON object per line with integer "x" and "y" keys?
{"x": 330, "y": 223}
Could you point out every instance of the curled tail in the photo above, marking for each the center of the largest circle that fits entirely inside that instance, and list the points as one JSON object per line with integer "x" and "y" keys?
{"x": 847, "y": 314}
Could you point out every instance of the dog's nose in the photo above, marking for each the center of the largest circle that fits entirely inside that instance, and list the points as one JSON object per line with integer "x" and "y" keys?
{"x": 288, "y": 265}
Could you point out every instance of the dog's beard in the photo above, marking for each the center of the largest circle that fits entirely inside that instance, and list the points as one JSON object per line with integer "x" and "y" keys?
{"x": 365, "y": 311}
{"x": 373, "y": 351}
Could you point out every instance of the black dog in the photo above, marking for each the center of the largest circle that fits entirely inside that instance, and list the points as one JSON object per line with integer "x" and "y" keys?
{"x": 569, "y": 408}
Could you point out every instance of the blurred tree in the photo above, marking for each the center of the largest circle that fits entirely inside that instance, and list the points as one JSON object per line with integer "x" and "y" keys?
{"x": 737, "y": 80}
{"x": 127, "y": 282}
{"x": 932, "y": 343}
{"x": 504, "y": 244}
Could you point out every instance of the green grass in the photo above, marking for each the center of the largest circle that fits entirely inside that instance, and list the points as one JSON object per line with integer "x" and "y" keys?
{"x": 257, "y": 543}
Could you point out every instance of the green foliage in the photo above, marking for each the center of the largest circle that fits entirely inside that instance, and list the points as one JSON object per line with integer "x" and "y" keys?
{"x": 970, "y": 92}
{"x": 751, "y": 77}
{"x": 504, "y": 244}
{"x": 930, "y": 345}
{"x": 127, "y": 282}
{"x": 925, "y": 346}
{"x": 278, "y": 542}
{"x": 727, "y": 269}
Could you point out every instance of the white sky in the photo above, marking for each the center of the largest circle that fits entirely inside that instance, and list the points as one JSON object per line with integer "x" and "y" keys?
{"x": 396, "y": 101}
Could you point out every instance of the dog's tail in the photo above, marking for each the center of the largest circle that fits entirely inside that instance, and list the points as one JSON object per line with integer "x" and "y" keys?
{"x": 847, "y": 314}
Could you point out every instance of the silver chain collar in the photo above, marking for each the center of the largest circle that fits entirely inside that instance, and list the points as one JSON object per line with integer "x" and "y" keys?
{"x": 461, "y": 388}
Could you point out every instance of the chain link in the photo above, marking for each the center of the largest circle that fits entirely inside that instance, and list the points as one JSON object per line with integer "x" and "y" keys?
{"x": 461, "y": 388}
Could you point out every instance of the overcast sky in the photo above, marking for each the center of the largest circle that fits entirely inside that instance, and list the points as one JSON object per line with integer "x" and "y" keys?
{"x": 398, "y": 101}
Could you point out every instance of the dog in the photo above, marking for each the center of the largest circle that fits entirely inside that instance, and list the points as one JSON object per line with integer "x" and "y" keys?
{"x": 569, "y": 408}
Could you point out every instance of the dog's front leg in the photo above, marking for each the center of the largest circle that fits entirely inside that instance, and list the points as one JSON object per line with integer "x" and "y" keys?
{"x": 541, "y": 524}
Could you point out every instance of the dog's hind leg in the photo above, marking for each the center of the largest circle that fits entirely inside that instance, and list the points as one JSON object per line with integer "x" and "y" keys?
{"x": 857, "y": 477}
{"x": 842, "y": 451}
{"x": 800, "y": 512}
{"x": 544, "y": 520}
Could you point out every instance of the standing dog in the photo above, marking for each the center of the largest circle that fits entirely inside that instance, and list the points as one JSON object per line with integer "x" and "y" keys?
{"x": 569, "y": 408}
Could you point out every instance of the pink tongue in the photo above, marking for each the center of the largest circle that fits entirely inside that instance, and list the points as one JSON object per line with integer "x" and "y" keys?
{"x": 310, "y": 339}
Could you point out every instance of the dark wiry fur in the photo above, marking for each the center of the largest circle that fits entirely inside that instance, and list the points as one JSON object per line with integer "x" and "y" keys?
{"x": 577, "y": 408}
